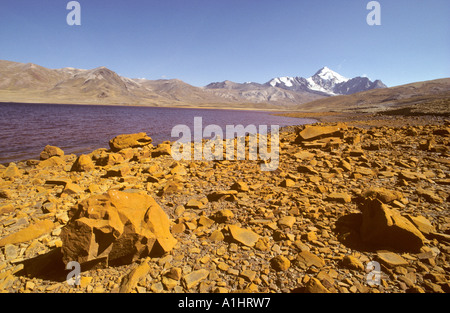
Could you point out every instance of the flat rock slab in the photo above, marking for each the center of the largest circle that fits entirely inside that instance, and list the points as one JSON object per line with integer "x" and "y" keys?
{"x": 306, "y": 259}
{"x": 195, "y": 277}
{"x": 391, "y": 259}
{"x": 29, "y": 233}
{"x": 339, "y": 197}
{"x": 243, "y": 236}
{"x": 316, "y": 132}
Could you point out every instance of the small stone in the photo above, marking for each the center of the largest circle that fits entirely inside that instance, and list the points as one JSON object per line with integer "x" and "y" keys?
{"x": 6, "y": 194}
{"x": 223, "y": 216}
{"x": 83, "y": 164}
{"x": 129, "y": 282}
{"x": 195, "y": 204}
{"x": 174, "y": 273}
{"x": 287, "y": 183}
{"x": 169, "y": 283}
{"x": 72, "y": 189}
{"x": 280, "y": 263}
{"x": 85, "y": 281}
{"x": 157, "y": 287}
{"x": 346, "y": 166}
{"x": 339, "y": 197}
{"x": 240, "y": 186}
{"x": 223, "y": 266}
{"x": 54, "y": 161}
{"x": 178, "y": 228}
{"x": 286, "y": 221}
{"x": 315, "y": 286}
{"x": 7, "y": 282}
{"x": 162, "y": 149}
{"x": 51, "y": 151}
{"x": 11, "y": 252}
{"x": 216, "y": 235}
{"x": 306, "y": 169}
{"x": 11, "y": 171}
{"x": 178, "y": 170}
{"x": 29, "y": 285}
{"x": 352, "y": 263}
{"x": 307, "y": 259}
{"x": 193, "y": 278}
{"x": 263, "y": 244}
{"x": 7, "y": 208}
{"x": 310, "y": 236}
{"x": 118, "y": 171}
{"x": 249, "y": 275}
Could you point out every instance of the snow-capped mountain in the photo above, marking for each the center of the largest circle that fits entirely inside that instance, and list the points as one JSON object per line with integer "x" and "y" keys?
{"x": 326, "y": 81}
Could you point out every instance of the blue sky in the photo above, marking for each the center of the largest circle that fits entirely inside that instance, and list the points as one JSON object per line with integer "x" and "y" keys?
{"x": 203, "y": 41}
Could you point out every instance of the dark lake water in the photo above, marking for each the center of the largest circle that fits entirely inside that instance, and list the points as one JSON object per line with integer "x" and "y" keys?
{"x": 25, "y": 129}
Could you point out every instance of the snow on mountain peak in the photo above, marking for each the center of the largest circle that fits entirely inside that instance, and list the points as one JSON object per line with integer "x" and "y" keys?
{"x": 327, "y": 74}
{"x": 286, "y": 81}
{"x": 325, "y": 81}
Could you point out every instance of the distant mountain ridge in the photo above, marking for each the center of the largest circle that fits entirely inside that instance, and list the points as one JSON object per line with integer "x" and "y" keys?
{"x": 328, "y": 82}
{"x": 21, "y": 82}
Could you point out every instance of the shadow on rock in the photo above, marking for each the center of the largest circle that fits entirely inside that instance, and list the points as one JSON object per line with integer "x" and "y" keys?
{"x": 50, "y": 266}
{"x": 348, "y": 232}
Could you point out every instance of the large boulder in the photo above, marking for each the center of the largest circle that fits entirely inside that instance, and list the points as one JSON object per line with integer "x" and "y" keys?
{"x": 116, "y": 228}
{"x": 384, "y": 227}
{"x": 129, "y": 141}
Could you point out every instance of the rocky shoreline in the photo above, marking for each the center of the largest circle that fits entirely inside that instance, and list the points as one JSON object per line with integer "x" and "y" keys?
{"x": 372, "y": 189}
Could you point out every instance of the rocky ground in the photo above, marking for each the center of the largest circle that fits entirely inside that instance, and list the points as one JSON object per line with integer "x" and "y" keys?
{"x": 343, "y": 195}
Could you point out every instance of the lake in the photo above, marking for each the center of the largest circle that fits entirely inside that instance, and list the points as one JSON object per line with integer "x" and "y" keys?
{"x": 25, "y": 129}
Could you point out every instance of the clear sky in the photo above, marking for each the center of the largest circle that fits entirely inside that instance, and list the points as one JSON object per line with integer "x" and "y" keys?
{"x": 203, "y": 41}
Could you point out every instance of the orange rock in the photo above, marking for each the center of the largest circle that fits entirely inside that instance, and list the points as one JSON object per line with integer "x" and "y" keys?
{"x": 243, "y": 236}
{"x": 119, "y": 226}
{"x": 130, "y": 281}
{"x": 129, "y": 141}
{"x": 54, "y": 161}
{"x": 316, "y": 131}
{"x": 83, "y": 164}
{"x": 50, "y": 151}
{"x": 385, "y": 227}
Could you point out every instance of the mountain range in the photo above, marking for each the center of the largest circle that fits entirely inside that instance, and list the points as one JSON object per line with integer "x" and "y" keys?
{"x": 20, "y": 82}
{"x": 327, "y": 82}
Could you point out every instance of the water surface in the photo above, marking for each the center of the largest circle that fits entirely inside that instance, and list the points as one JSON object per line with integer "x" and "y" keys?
{"x": 25, "y": 129}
